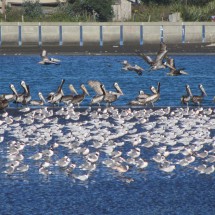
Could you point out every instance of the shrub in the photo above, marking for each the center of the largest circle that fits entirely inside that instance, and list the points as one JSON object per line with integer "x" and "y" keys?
{"x": 196, "y": 13}
{"x": 13, "y": 14}
{"x": 32, "y": 10}
{"x": 102, "y": 10}
{"x": 151, "y": 12}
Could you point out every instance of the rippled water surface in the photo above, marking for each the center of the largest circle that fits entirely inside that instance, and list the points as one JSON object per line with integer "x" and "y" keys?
{"x": 107, "y": 190}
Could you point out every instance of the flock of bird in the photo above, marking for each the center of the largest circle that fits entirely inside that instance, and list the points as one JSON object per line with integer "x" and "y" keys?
{"x": 55, "y": 98}
{"x": 122, "y": 143}
{"x": 162, "y": 61}
{"x": 102, "y": 95}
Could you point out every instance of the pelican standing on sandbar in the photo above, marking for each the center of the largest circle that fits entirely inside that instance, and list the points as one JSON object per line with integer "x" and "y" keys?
{"x": 185, "y": 99}
{"x": 96, "y": 85}
{"x": 110, "y": 96}
{"x": 56, "y": 97}
{"x": 77, "y": 99}
{"x": 68, "y": 98}
{"x": 197, "y": 99}
{"x": 39, "y": 102}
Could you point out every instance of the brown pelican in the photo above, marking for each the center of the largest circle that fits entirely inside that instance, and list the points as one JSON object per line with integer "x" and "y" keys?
{"x": 126, "y": 65}
{"x": 118, "y": 90}
{"x": 68, "y": 98}
{"x": 198, "y": 99}
{"x": 46, "y": 60}
{"x": 109, "y": 96}
{"x": 9, "y": 97}
{"x": 3, "y": 103}
{"x": 153, "y": 98}
{"x": 142, "y": 95}
{"x": 56, "y": 97}
{"x": 102, "y": 94}
{"x": 41, "y": 101}
{"x": 138, "y": 69}
{"x": 139, "y": 99}
{"x": 77, "y": 99}
{"x": 98, "y": 98}
{"x": 173, "y": 71}
{"x": 27, "y": 95}
{"x": 143, "y": 98}
{"x": 185, "y": 99}
{"x": 129, "y": 67}
{"x": 19, "y": 97}
{"x": 158, "y": 62}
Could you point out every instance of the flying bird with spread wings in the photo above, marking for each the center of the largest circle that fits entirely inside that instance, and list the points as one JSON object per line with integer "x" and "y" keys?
{"x": 158, "y": 62}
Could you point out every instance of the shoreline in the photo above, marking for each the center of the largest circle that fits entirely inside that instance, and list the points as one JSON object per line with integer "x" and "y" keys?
{"x": 110, "y": 49}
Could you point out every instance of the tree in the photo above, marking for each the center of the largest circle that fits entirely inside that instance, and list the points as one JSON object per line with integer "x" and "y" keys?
{"x": 101, "y": 9}
{"x": 32, "y": 9}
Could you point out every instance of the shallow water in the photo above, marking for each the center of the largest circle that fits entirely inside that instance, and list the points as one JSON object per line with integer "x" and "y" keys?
{"x": 107, "y": 191}
{"x": 107, "y": 69}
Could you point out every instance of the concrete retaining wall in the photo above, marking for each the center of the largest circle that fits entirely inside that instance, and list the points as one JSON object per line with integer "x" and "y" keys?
{"x": 101, "y": 33}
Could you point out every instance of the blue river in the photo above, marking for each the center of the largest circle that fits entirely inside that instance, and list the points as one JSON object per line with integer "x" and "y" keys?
{"x": 108, "y": 69}
{"x": 108, "y": 188}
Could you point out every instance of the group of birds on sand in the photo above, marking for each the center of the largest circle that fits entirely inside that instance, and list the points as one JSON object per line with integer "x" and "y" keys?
{"x": 161, "y": 61}
{"x": 123, "y": 143}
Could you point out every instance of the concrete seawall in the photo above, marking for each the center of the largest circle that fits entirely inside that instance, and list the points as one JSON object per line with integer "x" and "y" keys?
{"x": 122, "y": 34}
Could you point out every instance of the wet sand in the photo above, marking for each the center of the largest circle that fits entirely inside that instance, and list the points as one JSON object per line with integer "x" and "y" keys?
{"x": 108, "y": 49}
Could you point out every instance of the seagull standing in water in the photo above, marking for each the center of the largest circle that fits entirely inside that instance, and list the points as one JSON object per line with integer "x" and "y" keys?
{"x": 63, "y": 162}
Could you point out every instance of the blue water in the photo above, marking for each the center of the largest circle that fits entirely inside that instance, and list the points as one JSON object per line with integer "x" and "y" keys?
{"x": 107, "y": 69}
{"x": 183, "y": 191}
